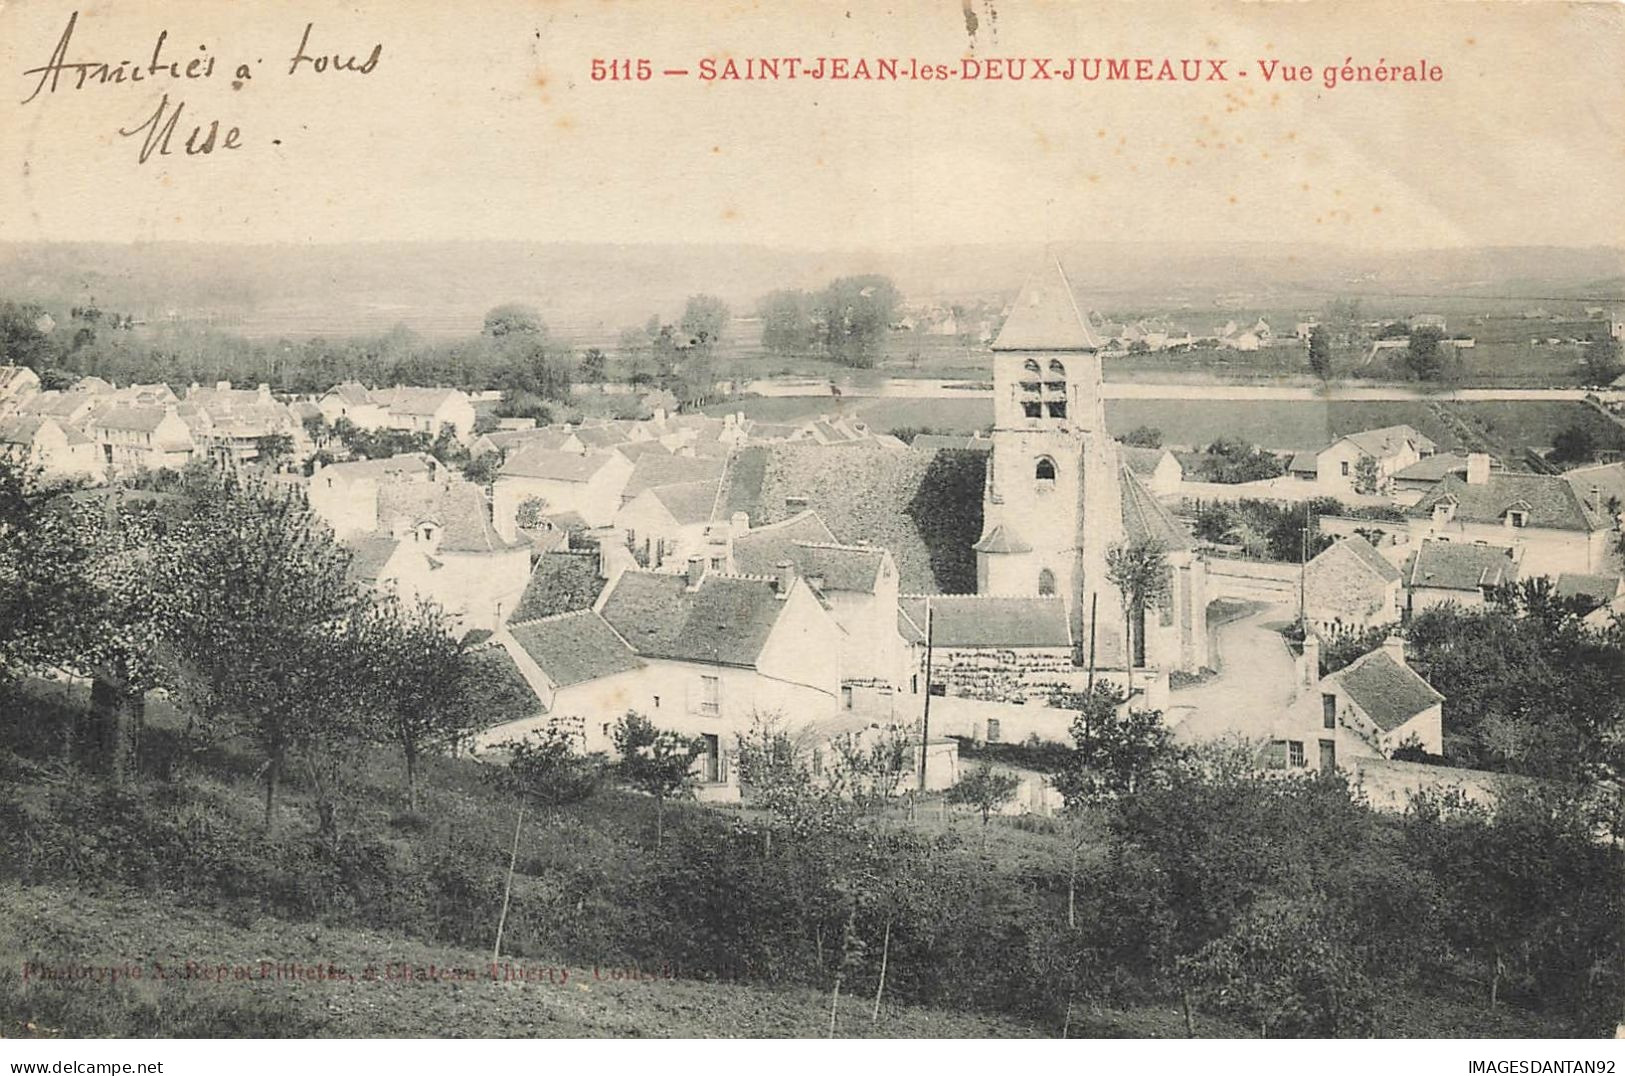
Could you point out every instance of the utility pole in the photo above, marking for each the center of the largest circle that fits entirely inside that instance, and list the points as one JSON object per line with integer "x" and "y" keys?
{"x": 1094, "y": 605}
{"x": 1303, "y": 572}
{"x": 925, "y": 720}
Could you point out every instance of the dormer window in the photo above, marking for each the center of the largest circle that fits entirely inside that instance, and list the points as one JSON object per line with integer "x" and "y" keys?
{"x": 1518, "y": 518}
{"x": 1444, "y": 511}
{"x": 1044, "y": 474}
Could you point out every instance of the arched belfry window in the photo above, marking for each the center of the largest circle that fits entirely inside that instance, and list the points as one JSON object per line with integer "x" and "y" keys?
{"x": 1056, "y": 370}
{"x": 1031, "y": 366}
{"x": 1044, "y": 473}
{"x": 1046, "y": 582}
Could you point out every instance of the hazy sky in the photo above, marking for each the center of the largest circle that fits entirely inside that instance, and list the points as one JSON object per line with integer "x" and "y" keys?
{"x": 480, "y": 120}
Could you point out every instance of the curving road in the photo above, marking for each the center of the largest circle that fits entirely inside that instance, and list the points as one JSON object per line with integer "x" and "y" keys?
{"x": 1253, "y": 688}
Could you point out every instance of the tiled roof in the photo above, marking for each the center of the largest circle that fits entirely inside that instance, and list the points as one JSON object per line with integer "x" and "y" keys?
{"x": 140, "y": 419}
{"x": 1607, "y": 478}
{"x": 1304, "y": 463}
{"x": 458, "y": 508}
{"x": 1433, "y": 468}
{"x": 1549, "y": 501}
{"x": 368, "y": 555}
{"x": 1146, "y": 517}
{"x": 352, "y": 393}
{"x": 532, "y": 462}
{"x": 599, "y": 436}
{"x": 840, "y": 567}
{"x": 688, "y": 502}
{"x": 1361, "y": 553}
{"x": 362, "y": 470}
{"x": 21, "y": 430}
{"x": 572, "y": 648}
{"x": 726, "y": 621}
{"x": 1142, "y": 461}
{"x": 1388, "y": 440}
{"x": 57, "y": 404}
{"x": 652, "y": 470}
{"x": 406, "y": 400}
{"x": 759, "y": 550}
{"x": 1460, "y": 566}
{"x": 936, "y": 442}
{"x": 773, "y": 431}
{"x": 1600, "y": 588}
{"x": 974, "y": 620}
{"x": 550, "y": 437}
{"x": 1045, "y": 317}
{"x": 632, "y": 450}
{"x": 1391, "y": 693}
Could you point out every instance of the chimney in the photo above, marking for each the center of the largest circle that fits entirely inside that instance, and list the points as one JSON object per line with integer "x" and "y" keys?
{"x": 264, "y": 391}
{"x": 740, "y": 522}
{"x": 1478, "y": 469}
{"x": 222, "y": 386}
{"x": 696, "y": 572}
{"x": 660, "y": 414}
{"x": 1311, "y": 658}
{"x": 786, "y": 578}
{"x": 1394, "y": 647}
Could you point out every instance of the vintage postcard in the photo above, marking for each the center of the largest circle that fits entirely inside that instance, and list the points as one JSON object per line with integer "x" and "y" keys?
{"x": 697, "y": 519}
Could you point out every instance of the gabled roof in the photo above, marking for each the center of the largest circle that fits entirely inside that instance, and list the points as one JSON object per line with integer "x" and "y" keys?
{"x": 458, "y": 508}
{"x": 599, "y": 436}
{"x": 727, "y": 621}
{"x": 1599, "y": 588}
{"x": 1045, "y": 316}
{"x": 1433, "y": 468}
{"x": 975, "y": 620}
{"x": 633, "y": 450}
{"x": 1143, "y": 461}
{"x": 760, "y": 550}
{"x": 1388, "y": 440}
{"x": 534, "y": 462}
{"x": 352, "y": 392}
{"x": 368, "y": 555}
{"x": 688, "y": 502}
{"x": 573, "y": 648}
{"x": 550, "y": 437}
{"x": 1552, "y": 502}
{"x": 936, "y": 442}
{"x": 1607, "y": 478}
{"x": 1390, "y": 692}
{"x": 139, "y": 419}
{"x": 372, "y": 470}
{"x": 410, "y": 400}
{"x": 25, "y": 429}
{"x": 1354, "y": 553}
{"x": 1460, "y": 566}
{"x": 1304, "y": 463}
{"x": 651, "y": 470}
{"x": 1146, "y": 517}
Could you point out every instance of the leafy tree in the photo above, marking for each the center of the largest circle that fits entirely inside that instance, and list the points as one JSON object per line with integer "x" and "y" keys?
{"x": 852, "y": 315}
{"x": 1320, "y": 352}
{"x": 1367, "y": 474}
{"x": 594, "y": 366}
{"x": 482, "y": 469}
{"x": 1144, "y": 437}
{"x": 655, "y": 761}
{"x": 530, "y": 512}
{"x": 1424, "y": 357}
{"x": 1575, "y": 444}
{"x": 985, "y": 789}
{"x": 1139, "y": 570}
{"x": 787, "y": 326}
{"x": 1115, "y": 750}
{"x": 273, "y": 449}
{"x": 514, "y": 319}
{"x": 704, "y": 318}
{"x": 418, "y": 676}
{"x": 1601, "y": 365}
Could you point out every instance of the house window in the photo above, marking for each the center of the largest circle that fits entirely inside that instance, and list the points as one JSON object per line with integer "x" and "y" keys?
{"x": 1344, "y": 468}
{"x": 710, "y": 695}
{"x": 1294, "y": 754}
{"x": 1517, "y": 518}
{"x": 1046, "y": 581}
{"x": 1328, "y": 711}
{"x": 1044, "y": 473}
{"x": 1328, "y": 755}
{"x": 846, "y": 697}
{"x": 992, "y": 730}
{"x": 657, "y": 702}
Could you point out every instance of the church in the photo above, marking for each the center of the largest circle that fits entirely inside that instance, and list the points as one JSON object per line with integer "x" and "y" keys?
{"x": 1058, "y": 498}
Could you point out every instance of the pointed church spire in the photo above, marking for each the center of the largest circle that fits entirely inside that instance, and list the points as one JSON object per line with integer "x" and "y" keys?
{"x": 1045, "y": 315}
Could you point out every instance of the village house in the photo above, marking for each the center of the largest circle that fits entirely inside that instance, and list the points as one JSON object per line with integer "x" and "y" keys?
{"x": 1157, "y": 469}
{"x": 346, "y": 494}
{"x": 15, "y": 383}
{"x": 700, "y": 653}
{"x": 432, "y": 541}
{"x": 1548, "y": 525}
{"x": 71, "y": 408}
{"x": 1393, "y": 448}
{"x": 1444, "y": 572}
{"x": 1427, "y": 472}
{"x": 665, "y": 525}
{"x": 589, "y": 486}
{"x": 551, "y": 438}
{"x": 653, "y": 470}
{"x": 1350, "y": 585}
{"x": 428, "y": 411}
{"x": 859, "y": 585}
{"x": 354, "y": 403}
{"x": 142, "y": 438}
{"x": 60, "y": 451}
{"x": 229, "y": 424}
{"x": 1372, "y": 707}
